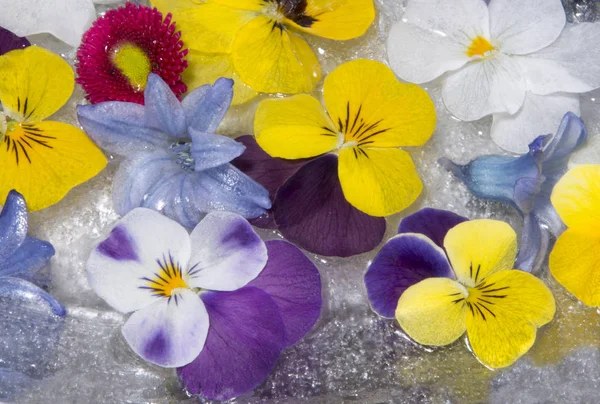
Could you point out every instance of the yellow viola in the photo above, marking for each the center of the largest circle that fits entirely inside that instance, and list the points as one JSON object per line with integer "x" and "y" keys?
{"x": 575, "y": 260}
{"x": 369, "y": 114}
{"x": 42, "y": 160}
{"x": 499, "y": 308}
{"x": 257, "y": 42}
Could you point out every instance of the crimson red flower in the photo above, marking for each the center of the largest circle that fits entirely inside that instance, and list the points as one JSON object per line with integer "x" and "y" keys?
{"x": 123, "y": 47}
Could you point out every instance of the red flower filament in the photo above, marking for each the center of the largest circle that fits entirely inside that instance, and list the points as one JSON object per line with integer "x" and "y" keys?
{"x": 123, "y": 47}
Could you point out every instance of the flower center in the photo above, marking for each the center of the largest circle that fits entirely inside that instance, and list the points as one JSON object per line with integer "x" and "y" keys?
{"x": 482, "y": 299}
{"x": 184, "y": 156}
{"x": 133, "y": 63}
{"x": 293, "y": 10}
{"x": 20, "y": 138}
{"x": 479, "y": 47}
{"x": 166, "y": 280}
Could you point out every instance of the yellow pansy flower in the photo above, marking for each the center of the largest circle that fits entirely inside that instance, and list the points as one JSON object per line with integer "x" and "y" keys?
{"x": 499, "y": 308}
{"x": 42, "y": 160}
{"x": 257, "y": 42}
{"x": 575, "y": 260}
{"x": 368, "y": 115}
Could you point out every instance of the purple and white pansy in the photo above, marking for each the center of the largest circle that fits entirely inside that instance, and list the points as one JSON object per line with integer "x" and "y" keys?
{"x": 219, "y": 304}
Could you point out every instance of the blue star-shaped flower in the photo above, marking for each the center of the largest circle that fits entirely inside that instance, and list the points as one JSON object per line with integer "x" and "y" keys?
{"x": 526, "y": 183}
{"x": 174, "y": 163}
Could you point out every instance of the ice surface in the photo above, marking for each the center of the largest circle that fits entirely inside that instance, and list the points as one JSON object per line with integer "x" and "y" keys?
{"x": 351, "y": 355}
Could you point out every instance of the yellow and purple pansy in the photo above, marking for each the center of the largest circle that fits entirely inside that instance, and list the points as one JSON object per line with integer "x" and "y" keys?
{"x": 336, "y": 171}
{"x": 41, "y": 159}
{"x": 218, "y": 304}
{"x": 574, "y": 260}
{"x": 444, "y": 275}
{"x": 257, "y": 42}
{"x": 525, "y": 183}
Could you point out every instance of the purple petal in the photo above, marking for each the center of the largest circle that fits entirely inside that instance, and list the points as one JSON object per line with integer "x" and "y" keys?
{"x": 162, "y": 109}
{"x": 433, "y": 223}
{"x": 206, "y": 106}
{"x": 13, "y": 224}
{"x": 270, "y": 172}
{"x": 402, "y": 262}
{"x": 245, "y": 339}
{"x": 533, "y": 246}
{"x": 312, "y": 212}
{"x": 9, "y": 41}
{"x": 28, "y": 259}
{"x": 294, "y": 283}
{"x": 119, "y": 245}
{"x": 22, "y": 289}
{"x": 570, "y": 135}
{"x": 209, "y": 151}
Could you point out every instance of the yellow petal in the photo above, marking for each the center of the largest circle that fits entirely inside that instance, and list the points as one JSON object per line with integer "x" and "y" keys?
{"x": 254, "y": 5}
{"x": 271, "y": 59}
{"x": 206, "y": 68}
{"x": 575, "y": 262}
{"x": 43, "y": 161}
{"x": 294, "y": 127}
{"x": 379, "y": 182}
{"x": 431, "y": 312}
{"x": 34, "y": 83}
{"x": 504, "y": 315}
{"x": 337, "y": 19}
{"x": 576, "y": 197}
{"x": 479, "y": 248}
{"x": 179, "y": 5}
{"x": 371, "y": 107}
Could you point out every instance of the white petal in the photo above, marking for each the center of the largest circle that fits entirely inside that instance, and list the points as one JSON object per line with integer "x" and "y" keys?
{"x": 540, "y": 115}
{"x": 588, "y": 153}
{"x": 117, "y": 265}
{"x": 524, "y": 26}
{"x": 169, "y": 333}
{"x": 433, "y": 37}
{"x": 571, "y": 64}
{"x": 227, "y": 253}
{"x": 65, "y": 19}
{"x": 487, "y": 86}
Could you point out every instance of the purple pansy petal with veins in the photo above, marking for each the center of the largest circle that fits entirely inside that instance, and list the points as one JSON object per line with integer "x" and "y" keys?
{"x": 245, "y": 339}
{"x": 227, "y": 253}
{"x": 9, "y": 41}
{"x": 402, "y": 262}
{"x": 268, "y": 171}
{"x": 13, "y": 224}
{"x": 163, "y": 110}
{"x": 169, "y": 333}
{"x": 294, "y": 283}
{"x": 206, "y": 106}
{"x": 432, "y": 223}
{"x": 28, "y": 259}
{"x": 22, "y": 289}
{"x": 119, "y": 245}
{"x": 210, "y": 150}
{"x": 311, "y": 211}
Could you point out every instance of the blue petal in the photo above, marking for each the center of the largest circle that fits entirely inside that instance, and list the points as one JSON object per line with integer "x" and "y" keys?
{"x": 163, "y": 109}
{"x": 211, "y": 151}
{"x": 13, "y": 224}
{"x": 533, "y": 246}
{"x": 206, "y": 106}
{"x": 28, "y": 259}
{"x": 570, "y": 135}
{"x": 22, "y": 289}
{"x": 120, "y": 127}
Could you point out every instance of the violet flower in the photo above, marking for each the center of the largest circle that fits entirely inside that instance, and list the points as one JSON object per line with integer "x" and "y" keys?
{"x": 526, "y": 183}
{"x": 219, "y": 304}
{"x": 174, "y": 163}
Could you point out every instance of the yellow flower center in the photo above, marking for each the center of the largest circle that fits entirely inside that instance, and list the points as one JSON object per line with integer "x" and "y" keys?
{"x": 479, "y": 47}
{"x": 20, "y": 138}
{"x": 167, "y": 279}
{"x": 481, "y": 299}
{"x": 357, "y": 132}
{"x": 273, "y": 11}
{"x": 133, "y": 63}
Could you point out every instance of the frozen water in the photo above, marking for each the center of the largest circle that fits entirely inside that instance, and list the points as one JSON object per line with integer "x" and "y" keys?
{"x": 351, "y": 355}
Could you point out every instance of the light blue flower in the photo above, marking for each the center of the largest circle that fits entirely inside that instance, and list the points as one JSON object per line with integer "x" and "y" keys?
{"x": 22, "y": 257}
{"x": 526, "y": 182}
{"x": 174, "y": 163}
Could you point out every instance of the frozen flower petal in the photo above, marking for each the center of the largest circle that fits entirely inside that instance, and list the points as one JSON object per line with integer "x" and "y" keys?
{"x": 432, "y": 223}
{"x": 9, "y": 41}
{"x": 119, "y": 267}
{"x": 533, "y": 245}
{"x": 120, "y": 127}
{"x": 521, "y": 27}
{"x": 209, "y": 151}
{"x": 206, "y": 106}
{"x": 13, "y": 224}
{"x": 22, "y": 289}
{"x": 404, "y": 260}
{"x": 312, "y": 212}
{"x": 28, "y": 259}
{"x": 169, "y": 333}
{"x": 227, "y": 253}
{"x": 539, "y": 114}
{"x": 294, "y": 284}
{"x": 576, "y": 197}
{"x": 162, "y": 108}
{"x": 245, "y": 339}
{"x": 67, "y": 20}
